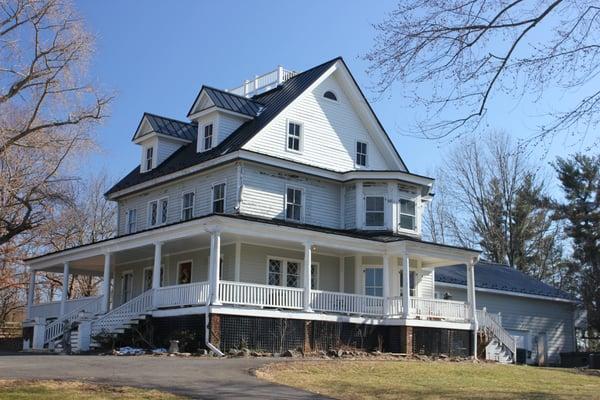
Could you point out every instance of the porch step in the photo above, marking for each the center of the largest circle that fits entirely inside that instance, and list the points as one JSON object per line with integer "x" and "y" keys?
{"x": 74, "y": 340}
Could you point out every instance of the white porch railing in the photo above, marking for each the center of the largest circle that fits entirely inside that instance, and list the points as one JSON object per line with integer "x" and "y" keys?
{"x": 251, "y": 294}
{"x": 346, "y": 303}
{"x": 434, "y": 308}
{"x": 119, "y": 316}
{"x": 52, "y": 309}
{"x": 263, "y": 82}
{"x": 395, "y": 306}
{"x": 56, "y": 328}
{"x": 488, "y": 321}
{"x": 183, "y": 295}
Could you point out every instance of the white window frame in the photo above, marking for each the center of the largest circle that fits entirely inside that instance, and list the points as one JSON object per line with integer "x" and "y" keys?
{"x": 152, "y": 159}
{"x": 302, "y": 202}
{"x": 375, "y": 227}
{"x": 193, "y": 193}
{"x": 179, "y": 263}
{"x": 334, "y": 93}
{"x": 364, "y": 283}
{"x": 128, "y": 221}
{"x": 300, "y": 138}
{"x": 356, "y": 164}
{"x": 283, "y": 280}
{"x": 416, "y": 216}
{"x": 159, "y": 214}
{"x": 212, "y": 196}
{"x": 123, "y": 273}
{"x": 212, "y": 136}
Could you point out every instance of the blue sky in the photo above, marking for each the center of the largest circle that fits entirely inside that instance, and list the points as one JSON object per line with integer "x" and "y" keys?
{"x": 156, "y": 55}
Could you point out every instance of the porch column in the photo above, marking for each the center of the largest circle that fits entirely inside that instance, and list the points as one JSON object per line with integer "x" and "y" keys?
{"x": 342, "y": 267}
{"x": 405, "y": 286}
{"x": 472, "y": 302}
{"x": 106, "y": 283}
{"x": 386, "y": 284}
{"x": 307, "y": 275}
{"x": 65, "y": 288}
{"x": 30, "y": 292}
{"x": 215, "y": 266}
{"x": 156, "y": 272}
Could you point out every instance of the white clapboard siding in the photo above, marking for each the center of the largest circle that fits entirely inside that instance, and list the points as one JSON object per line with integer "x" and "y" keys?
{"x": 425, "y": 288}
{"x": 264, "y": 196}
{"x": 223, "y": 125}
{"x": 201, "y": 184}
{"x": 330, "y": 132}
{"x": 350, "y": 207}
{"x": 165, "y": 148}
{"x": 555, "y": 319}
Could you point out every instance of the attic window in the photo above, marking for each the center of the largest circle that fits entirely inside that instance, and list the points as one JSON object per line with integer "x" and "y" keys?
{"x": 149, "y": 157}
{"x": 330, "y": 95}
{"x": 208, "y": 136}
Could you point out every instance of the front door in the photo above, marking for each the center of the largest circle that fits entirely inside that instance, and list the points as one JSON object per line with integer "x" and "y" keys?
{"x": 374, "y": 281}
{"x": 127, "y": 287}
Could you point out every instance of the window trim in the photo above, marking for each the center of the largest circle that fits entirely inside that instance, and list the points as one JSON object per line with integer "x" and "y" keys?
{"x": 356, "y": 164}
{"x": 212, "y": 135}
{"x": 284, "y": 261}
{"x": 152, "y": 159}
{"x": 375, "y": 227}
{"x": 158, "y": 212}
{"x": 193, "y": 192}
{"x": 337, "y": 100}
{"x": 300, "y": 138}
{"x": 364, "y": 285}
{"x": 212, "y": 196}
{"x": 179, "y": 263}
{"x": 416, "y": 216}
{"x": 128, "y": 221}
{"x": 302, "y": 202}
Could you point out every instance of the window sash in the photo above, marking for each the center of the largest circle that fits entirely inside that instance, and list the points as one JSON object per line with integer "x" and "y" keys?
{"x": 153, "y": 217}
{"x": 149, "y": 157}
{"x": 187, "y": 210}
{"x": 292, "y": 274}
{"x": 184, "y": 273}
{"x": 294, "y": 132}
{"x": 131, "y": 220}
{"x": 374, "y": 211}
{"x": 361, "y": 153}
{"x": 293, "y": 204}
{"x": 274, "y": 277}
{"x": 208, "y": 135}
{"x": 374, "y": 282}
{"x": 219, "y": 198}
{"x": 164, "y": 209}
{"x": 407, "y": 214}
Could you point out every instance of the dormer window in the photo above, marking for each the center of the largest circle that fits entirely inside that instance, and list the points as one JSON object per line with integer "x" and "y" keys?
{"x": 149, "y": 158}
{"x": 208, "y": 136}
{"x": 330, "y": 95}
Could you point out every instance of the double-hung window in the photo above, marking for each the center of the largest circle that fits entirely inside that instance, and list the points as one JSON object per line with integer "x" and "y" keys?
{"x": 149, "y": 158}
{"x": 294, "y": 133}
{"x": 208, "y": 136}
{"x": 374, "y": 282}
{"x": 361, "y": 154}
{"x": 187, "y": 207}
{"x": 374, "y": 211}
{"x": 131, "y": 220}
{"x": 218, "y": 198}
{"x": 407, "y": 214}
{"x": 293, "y": 204}
{"x": 157, "y": 212}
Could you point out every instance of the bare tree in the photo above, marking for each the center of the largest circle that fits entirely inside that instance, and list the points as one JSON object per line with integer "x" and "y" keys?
{"x": 47, "y": 108}
{"x": 455, "y": 56}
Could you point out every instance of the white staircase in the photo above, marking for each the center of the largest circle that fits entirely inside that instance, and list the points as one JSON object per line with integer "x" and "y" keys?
{"x": 56, "y": 328}
{"x": 124, "y": 316}
{"x": 502, "y": 346}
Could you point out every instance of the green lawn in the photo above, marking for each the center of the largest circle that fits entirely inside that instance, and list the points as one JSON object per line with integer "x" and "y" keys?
{"x": 432, "y": 380}
{"x": 65, "y": 390}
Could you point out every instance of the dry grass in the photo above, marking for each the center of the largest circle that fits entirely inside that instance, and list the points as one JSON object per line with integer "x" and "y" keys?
{"x": 67, "y": 390}
{"x": 385, "y": 380}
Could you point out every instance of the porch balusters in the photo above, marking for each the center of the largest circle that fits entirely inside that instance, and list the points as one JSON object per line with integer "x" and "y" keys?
{"x": 30, "y": 292}
{"x": 307, "y": 276}
{"x": 215, "y": 266}
{"x": 106, "y": 283}
{"x": 405, "y": 286}
{"x": 65, "y": 288}
{"x": 156, "y": 272}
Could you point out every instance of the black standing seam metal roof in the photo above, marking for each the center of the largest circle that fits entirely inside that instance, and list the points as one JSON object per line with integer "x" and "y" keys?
{"x": 170, "y": 126}
{"x": 233, "y": 102}
{"x": 274, "y": 102}
{"x": 490, "y": 275}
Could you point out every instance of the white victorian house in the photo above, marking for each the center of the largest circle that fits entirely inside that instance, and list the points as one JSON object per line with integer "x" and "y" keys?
{"x": 281, "y": 200}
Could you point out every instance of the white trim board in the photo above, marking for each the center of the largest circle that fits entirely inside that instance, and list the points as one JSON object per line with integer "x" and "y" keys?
{"x": 506, "y": 292}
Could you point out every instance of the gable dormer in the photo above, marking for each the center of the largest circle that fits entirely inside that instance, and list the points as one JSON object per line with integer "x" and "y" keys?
{"x": 218, "y": 113}
{"x": 159, "y": 137}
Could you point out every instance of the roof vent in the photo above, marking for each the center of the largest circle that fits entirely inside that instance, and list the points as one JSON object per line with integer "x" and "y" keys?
{"x": 262, "y": 83}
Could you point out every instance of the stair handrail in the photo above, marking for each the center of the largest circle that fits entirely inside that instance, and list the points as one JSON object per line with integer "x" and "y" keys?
{"x": 488, "y": 322}
{"x": 56, "y": 328}
{"x": 126, "y": 311}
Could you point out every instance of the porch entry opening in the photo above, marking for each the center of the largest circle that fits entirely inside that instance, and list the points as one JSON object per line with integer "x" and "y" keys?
{"x": 374, "y": 281}
{"x": 127, "y": 287}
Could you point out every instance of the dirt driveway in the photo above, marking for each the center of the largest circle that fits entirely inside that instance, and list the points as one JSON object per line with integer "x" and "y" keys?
{"x": 201, "y": 378}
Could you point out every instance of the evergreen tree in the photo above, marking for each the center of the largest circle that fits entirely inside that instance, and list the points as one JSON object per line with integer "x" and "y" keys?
{"x": 580, "y": 181}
